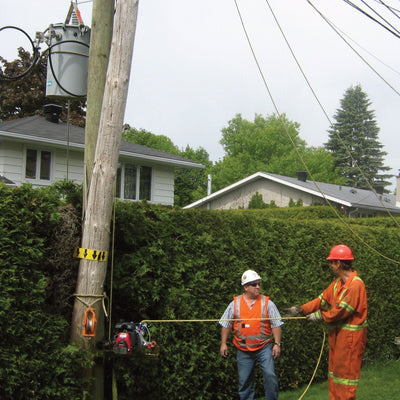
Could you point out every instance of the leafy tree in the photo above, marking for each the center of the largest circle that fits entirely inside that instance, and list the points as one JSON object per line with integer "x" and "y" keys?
{"x": 26, "y": 96}
{"x": 353, "y": 142}
{"x": 269, "y": 144}
{"x": 146, "y": 138}
{"x": 190, "y": 184}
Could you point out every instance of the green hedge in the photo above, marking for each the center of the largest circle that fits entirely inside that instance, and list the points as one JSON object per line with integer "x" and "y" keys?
{"x": 36, "y": 361}
{"x": 178, "y": 264}
{"x": 186, "y": 264}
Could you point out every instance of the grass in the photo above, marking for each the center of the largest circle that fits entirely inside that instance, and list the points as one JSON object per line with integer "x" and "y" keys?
{"x": 378, "y": 381}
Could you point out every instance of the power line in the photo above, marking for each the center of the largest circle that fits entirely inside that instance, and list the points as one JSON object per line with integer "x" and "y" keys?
{"x": 393, "y": 10}
{"x": 340, "y": 217}
{"x": 379, "y": 15}
{"x": 358, "y": 54}
{"x": 371, "y": 17}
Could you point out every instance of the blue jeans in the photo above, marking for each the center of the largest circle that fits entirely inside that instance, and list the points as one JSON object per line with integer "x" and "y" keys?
{"x": 246, "y": 362}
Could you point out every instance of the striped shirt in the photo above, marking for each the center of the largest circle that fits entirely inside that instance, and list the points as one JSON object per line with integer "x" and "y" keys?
{"x": 272, "y": 313}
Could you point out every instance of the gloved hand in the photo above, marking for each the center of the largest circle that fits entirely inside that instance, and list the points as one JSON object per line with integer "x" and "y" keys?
{"x": 295, "y": 311}
{"x": 315, "y": 316}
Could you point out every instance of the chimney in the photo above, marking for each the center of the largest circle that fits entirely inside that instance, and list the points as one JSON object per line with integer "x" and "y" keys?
{"x": 378, "y": 189}
{"x": 301, "y": 175}
{"x": 209, "y": 181}
{"x": 52, "y": 112}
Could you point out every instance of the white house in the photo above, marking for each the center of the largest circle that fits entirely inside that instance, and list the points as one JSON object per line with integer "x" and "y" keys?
{"x": 280, "y": 189}
{"x": 41, "y": 150}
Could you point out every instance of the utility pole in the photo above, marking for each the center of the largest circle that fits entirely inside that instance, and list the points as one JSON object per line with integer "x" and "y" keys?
{"x": 99, "y": 52}
{"x": 97, "y": 218}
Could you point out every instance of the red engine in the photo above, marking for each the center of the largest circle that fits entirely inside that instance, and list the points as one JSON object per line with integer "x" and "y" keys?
{"x": 123, "y": 343}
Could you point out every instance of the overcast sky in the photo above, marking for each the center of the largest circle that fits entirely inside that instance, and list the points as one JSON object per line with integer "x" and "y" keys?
{"x": 193, "y": 69}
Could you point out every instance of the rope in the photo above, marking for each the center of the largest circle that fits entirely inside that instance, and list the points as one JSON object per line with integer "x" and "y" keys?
{"x": 214, "y": 320}
{"x": 97, "y": 297}
{"x": 318, "y": 362}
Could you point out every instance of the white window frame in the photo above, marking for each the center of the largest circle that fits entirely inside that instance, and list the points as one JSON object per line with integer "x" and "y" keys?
{"x": 37, "y": 179}
{"x": 121, "y": 191}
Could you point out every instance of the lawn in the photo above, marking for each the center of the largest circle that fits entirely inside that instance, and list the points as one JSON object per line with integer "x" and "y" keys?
{"x": 379, "y": 381}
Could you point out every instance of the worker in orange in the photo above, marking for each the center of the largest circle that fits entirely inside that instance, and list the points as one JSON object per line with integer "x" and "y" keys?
{"x": 343, "y": 306}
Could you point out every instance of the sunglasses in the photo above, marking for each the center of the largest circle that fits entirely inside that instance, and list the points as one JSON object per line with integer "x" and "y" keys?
{"x": 255, "y": 284}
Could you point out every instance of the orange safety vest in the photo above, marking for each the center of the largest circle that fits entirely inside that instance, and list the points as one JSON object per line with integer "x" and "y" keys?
{"x": 251, "y": 334}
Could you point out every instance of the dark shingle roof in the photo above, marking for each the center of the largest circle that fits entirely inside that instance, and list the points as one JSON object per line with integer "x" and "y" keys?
{"x": 37, "y": 128}
{"x": 347, "y": 195}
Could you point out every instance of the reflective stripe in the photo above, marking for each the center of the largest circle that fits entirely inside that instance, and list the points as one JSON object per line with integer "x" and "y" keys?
{"x": 343, "y": 381}
{"x": 263, "y": 315}
{"x": 349, "y": 327}
{"x": 335, "y": 287}
{"x": 237, "y": 311}
{"x": 342, "y": 294}
{"x": 346, "y": 306}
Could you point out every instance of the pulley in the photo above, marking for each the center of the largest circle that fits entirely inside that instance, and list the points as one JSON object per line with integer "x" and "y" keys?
{"x": 89, "y": 323}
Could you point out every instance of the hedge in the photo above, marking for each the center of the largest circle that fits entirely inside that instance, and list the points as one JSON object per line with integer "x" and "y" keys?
{"x": 171, "y": 264}
{"x": 186, "y": 264}
{"x": 36, "y": 361}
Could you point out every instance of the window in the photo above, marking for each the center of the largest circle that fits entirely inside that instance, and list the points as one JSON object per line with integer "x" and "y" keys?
{"x": 38, "y": 165}
{"x": 134, "y": 182}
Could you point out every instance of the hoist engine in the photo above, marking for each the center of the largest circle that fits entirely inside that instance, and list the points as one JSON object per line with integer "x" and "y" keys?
{"x": 130, "y": 337}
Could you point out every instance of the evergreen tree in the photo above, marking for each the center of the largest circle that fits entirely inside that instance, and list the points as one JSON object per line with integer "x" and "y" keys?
{"x": 353, "y": 142}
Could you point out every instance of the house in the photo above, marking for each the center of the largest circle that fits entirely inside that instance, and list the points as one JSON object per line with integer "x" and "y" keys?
{"x": 41, "y": 150}
{"x": 281, "y": 190}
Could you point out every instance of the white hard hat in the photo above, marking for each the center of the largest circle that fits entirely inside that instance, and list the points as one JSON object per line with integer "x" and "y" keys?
{"x": 250, "y": 276}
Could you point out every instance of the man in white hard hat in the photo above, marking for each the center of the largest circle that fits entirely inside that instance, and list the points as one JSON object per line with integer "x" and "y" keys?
{"x": 256, "y": 324}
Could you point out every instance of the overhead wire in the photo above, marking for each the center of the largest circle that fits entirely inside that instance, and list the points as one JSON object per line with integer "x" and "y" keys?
{"x": 291, "y": 139}
{"x": 336, "y": 132}
{"x": 371, "y": 17}
{"x": 380, "y": 16}
{"x": 326, "y": 115}
{"x": 393, "y": 10}
{"x": 330, "y": 122}
{"x": 339, "y": 33}
{"x": 35, "y": 57}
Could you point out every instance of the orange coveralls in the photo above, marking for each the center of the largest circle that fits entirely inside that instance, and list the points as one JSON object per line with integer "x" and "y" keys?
{"x": 344, "y": 308}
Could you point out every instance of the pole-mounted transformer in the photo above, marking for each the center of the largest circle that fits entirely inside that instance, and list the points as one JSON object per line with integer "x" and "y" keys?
{"x": 68, "y": 56}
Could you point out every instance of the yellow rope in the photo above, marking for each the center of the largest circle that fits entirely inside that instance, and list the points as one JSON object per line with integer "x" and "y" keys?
{"x": 316, "y": 367}
{"x": 214, "y": 320}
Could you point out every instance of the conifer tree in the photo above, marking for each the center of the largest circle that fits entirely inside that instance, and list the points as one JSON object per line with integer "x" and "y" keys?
{"x": 353, "y": 142}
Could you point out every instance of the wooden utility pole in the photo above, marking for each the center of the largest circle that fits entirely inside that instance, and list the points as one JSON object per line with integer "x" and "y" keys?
{"x": 99, "y": 52}
{"x": 97, "y": 218}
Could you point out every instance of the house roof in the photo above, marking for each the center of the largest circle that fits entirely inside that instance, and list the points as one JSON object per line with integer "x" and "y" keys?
{"x": 6, "y": 180}
{"x": 343, "y": 195}
{"x": 39, "y": 129}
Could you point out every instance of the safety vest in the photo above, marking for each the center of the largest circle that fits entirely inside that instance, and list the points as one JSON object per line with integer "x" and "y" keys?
{"x": 253, "y": 331}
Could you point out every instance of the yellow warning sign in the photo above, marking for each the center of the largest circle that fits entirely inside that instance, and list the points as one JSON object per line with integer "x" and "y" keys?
{"x": 89, "y": 254}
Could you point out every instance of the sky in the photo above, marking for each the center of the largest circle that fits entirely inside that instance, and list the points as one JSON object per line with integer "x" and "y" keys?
{"x": 193, "y": 69}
